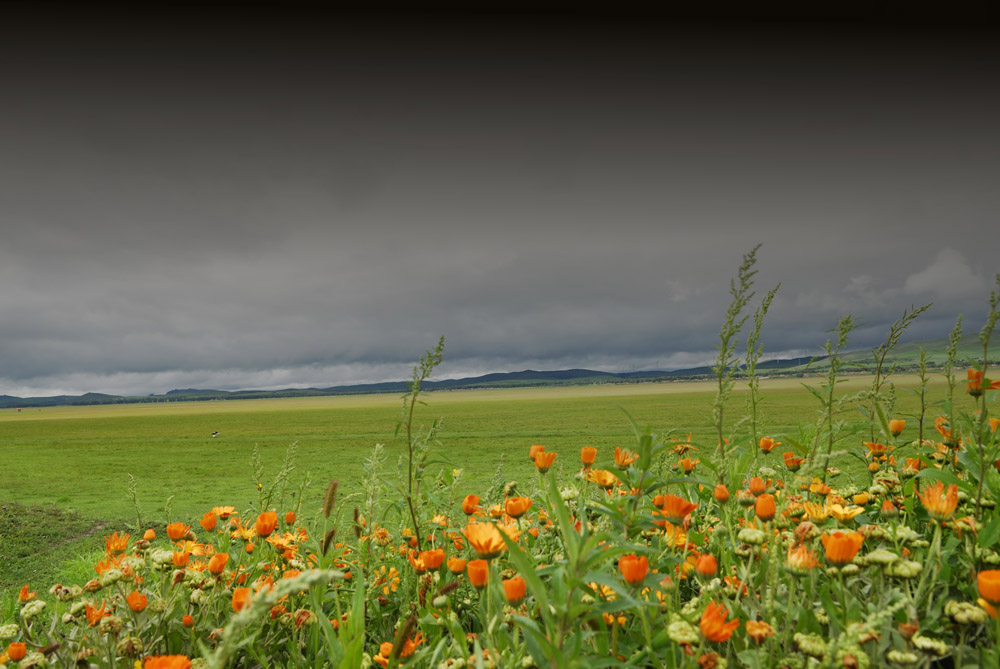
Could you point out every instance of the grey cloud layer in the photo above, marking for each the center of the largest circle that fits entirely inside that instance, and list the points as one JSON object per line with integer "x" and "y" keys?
{"x": 242, "y": 217}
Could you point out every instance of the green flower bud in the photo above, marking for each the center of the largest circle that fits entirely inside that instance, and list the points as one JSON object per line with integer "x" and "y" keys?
{"x": 929, "y": 645}
{"x": 902, "y": 658}
{"x": 9, "y": 631}
{"x": 752, "y": 536}
{"x": 904, "y": 569}
{"x": 966, "y": 613}
{"x": 30, "y": 610}
{"x": 812, "y": 645}
{"x": 881, "y": 556}
{"x": 681, "y": 631}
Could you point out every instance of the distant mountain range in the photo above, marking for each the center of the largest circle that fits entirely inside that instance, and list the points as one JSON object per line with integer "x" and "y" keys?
{"x": 526, "y": 378}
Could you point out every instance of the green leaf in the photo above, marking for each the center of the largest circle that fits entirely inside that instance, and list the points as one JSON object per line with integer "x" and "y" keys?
{"x": 990, "y": 533}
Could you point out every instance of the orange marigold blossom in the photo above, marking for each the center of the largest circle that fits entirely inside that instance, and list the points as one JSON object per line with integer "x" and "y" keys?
{"x": 975, "y": 383}
{"x": 218, "y": 563}
{"x": 544, "y": 460}
{"x": 470, "y": 505}
{"x": 624, "y": 458}
{"x": 940, "y": 505}
{"x": 180, "y": 558}
{"x": 290, "y": 517}
{"x": 767, "y": 444}
{"x": 841, "y": 547}
{"x": 24, "y": 595}
{"x": 485, "y": 539}
{"x": 266, "y": 522}
{"x": 149, "y": 534}
{"x": 177, "y": 531}
{"x": 515, "y": 507}
{"x": 758, "y": 630}
{"x": 603, "y": 478}
{"x": 116, "y": 543}
{"x": 167, "y": 662}
{"x": 587, "y": 455}
{"x": 633, "y": 568}
{"x": 721, "y": 493}
{"x": 707, "y": 565}
{"x": 765, "y": 507}
{"x": 94, "y": 615}
{"x": 791, "y": 462}
{"x": 687, "y": 464}
{"x": 676, "y": 508}
{"x": 995, "y": 424}
{"x": 801, "y": 559}
{"x": 209, "y": 521}
{"x": 241, "y": 597}
{"x": 456, "y": 565}
{"x": 534, "y": 450}
{"x": 713, "y": 623}
{"x": 137, "y": 601}
{"x": 16, "y": 650}
{"x": 478, "y": 571}
{"x": 896, "y": 426}
{"x": 224, "y": 512}
{"x": 988, "y": 582}
{"x": 515, "y": 590}
{"x": 844, "y": 514}
{"x": 757, "y": 485}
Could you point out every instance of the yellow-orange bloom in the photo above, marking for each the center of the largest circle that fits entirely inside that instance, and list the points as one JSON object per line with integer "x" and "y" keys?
{"x": 757, "y": 485}
{"x": 603, "y": 478}
{"x": 266, "y": 522}
{"x": 517, "y": 506}
{"x": 767, "y": 444}
{"x": 989, "y": 585}
{"x": 94, "y": 615}
{"x": 241, "y": 597}
{"x": 624, "y": 458}
{"x": 16, "y": 650}
{"x": 167, "y": 662}
{"x": 149, "y": 534}
{"x": 515, "y": 590}
{"x": 633, "y": 568}
{"x": 801, "y": 559}
{"x": 995, "y": 424}
{"x": 791, "y": 462}
{"x": 534, "y": 450}
{"x": 544, "y": 460}
{"x": 470, "y": 504}
{"x": 485, "y": 539}
{"x": 456, "y": 565}
{"x": 687, "y": 464}
{"x": 478, "y": 571}
{"x": 587, "y": 455}
{"x": 940, "y": 505}
{"x": 896, "y": 426}
{"x": 721, "y": 493}
{"x": 707, "y": 565}
{"x": 137, "y": 601}
{"x": 218, "y": 563}
{"x": 841, "y": 547}
{"x": 713, "y": 623}
{"x": 115, "y": 544}
{"x": 758, "y": 630}
{"x": 676, "y": 508}
{"x": 209, "y": 521}
{"x": 844, "y": 514}
{"x": 223, "y": 512}
{"x": 177, "y": 531}
{"x": 764, "y": 507}
{"x": 24, "y": 595}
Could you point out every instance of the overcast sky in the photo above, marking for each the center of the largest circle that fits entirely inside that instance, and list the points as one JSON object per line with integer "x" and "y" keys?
{"x": 265, "y": 197}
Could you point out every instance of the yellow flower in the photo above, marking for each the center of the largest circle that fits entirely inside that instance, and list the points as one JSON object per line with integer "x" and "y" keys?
{"x": 842, "y": 513}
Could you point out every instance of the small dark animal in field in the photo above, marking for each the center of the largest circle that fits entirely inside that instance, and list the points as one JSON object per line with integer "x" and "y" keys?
{"x": 215, "y": 434}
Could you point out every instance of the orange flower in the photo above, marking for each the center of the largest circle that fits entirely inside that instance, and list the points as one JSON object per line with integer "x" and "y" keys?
{"x": 975, "y": 379}
{"x": 177, "y": 531}
{"x": 791, "y": 462}
{"x": 757, "y": 485}
{"x": 16, "y": 650}
{"x": 223, "y": 512}
{"x": 167, "y": 662}
{"x": 764, "y": 507}
{"x": 470, "y": 504}
{"x": 721, "y": 493}
{"x": 456, "y": 565}
{"x": 995, "y": 424}
{"x": 707, "y": 565}
{"x": 941, "y": 425}
{"x": 485, "y": 539}
{"x": 896, "y": 426}
{"x": 149, "y": 534}
{"x": 624, "y": 458}
{"x": 517, "y": 506}
{"x": 801, "y": 559}
{"x": 218, "y": 563}
{"x": 687, "y": 464}
{"x": 24, "y": 595}
{"x": 841, "y": 547}
{"x": 534, "y": 450}
{"x": 209, "y": 521}
{"x": 767, "y": 444}
{"x": 875, "y": 448}
{"x": 94, "y": 615}
{"x": 187, "y": 620}
{"x": 758, "y": 630}
{"x": 939, "y": 505}
{"x": 116, "y": 543}
{"x": 676, "y": 508}
{"x": 603, "y": 478}
{"x": 181, "y": 558}
{"x": 241, "y": 597}
{"x": 290, "y": 517}
{"x": 137, "y": 601}
{"x": 515, "y": 589}
{"x": 587, "y": 455}
{"x": 433, "y": 558}
{"x": 266, "y": 522}
{"x": 713, "y": 623}
{"x": 478, "y": 571}
{"x": 544, "y": 460}
{"x": 633, "y": 568}
{"x": 989, "y": 585}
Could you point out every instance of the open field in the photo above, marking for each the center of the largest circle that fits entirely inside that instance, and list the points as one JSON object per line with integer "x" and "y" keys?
{"x": 80, "y": 457}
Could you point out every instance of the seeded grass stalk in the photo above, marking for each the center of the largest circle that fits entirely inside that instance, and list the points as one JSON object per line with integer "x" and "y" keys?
{"x": 883, "y": 371}
{"x": 755, "y": 351}
{"x": 741, "y": 291}
{"x": 981, "y": 419}
{"x": 827, "y": 398}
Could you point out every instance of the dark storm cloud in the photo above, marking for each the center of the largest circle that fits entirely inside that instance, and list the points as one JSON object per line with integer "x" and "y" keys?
{"x": 270, "y": 199}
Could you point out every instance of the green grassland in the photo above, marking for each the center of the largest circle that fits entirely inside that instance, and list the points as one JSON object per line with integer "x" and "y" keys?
{"x": 75, "y": 461}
